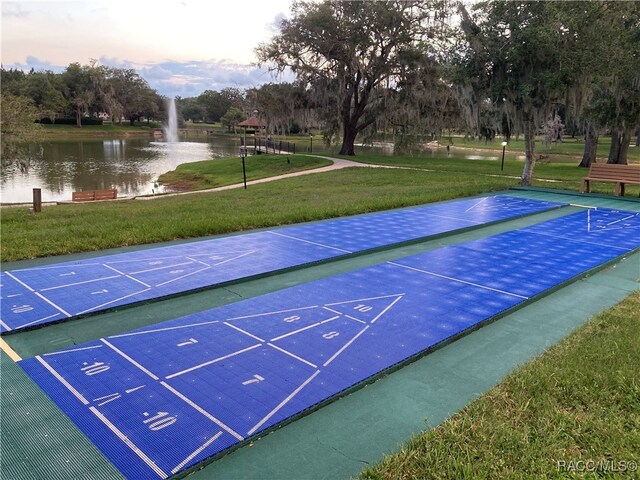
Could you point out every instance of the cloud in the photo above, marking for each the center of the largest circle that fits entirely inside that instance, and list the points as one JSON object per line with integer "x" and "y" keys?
{"x": 185, "y": 79}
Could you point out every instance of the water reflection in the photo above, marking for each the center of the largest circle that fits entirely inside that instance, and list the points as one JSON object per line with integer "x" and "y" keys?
{"x": 129, "y": 165}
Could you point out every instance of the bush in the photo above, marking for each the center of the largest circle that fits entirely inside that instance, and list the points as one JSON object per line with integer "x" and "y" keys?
{"x": 71, "y": 121}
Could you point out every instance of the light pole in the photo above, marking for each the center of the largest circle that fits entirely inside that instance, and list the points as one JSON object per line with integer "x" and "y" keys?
{"x": 504, "y": 146}
{"x": 243, "y": 154}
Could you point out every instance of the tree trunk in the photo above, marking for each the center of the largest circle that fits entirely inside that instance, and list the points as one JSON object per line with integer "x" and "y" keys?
{"x": 590, "y": 147}
{"x": 638, "y": 137}
{"x": 78, "y": 118}
{"x": 529, "y": 153}
{"x": 348, "y": 140}
{"x": 614, "y": 151}
{"x": 620, "y": 146}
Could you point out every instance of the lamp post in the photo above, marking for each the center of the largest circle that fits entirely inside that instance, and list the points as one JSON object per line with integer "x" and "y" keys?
{"x": 504, "y": 146}
{"x": 310, "y": 142}
{"x": 243, "y": 154}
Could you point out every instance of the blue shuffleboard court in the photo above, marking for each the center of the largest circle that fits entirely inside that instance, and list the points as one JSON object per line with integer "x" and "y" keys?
{"x": 41, "y": 295}
{"x": 160, "y": 399}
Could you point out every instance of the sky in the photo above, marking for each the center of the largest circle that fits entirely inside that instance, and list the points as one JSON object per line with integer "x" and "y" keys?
{"x": 181, "y": 47}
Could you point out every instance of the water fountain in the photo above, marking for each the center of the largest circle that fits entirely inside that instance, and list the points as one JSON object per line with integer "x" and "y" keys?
{"x": 171, "y": 129}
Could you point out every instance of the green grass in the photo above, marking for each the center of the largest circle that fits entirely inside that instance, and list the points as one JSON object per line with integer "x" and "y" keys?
{"x": 579, "y": 401}
{"x": 92, "y": 226}
{"x": 52, "y": 132}
{"x": 548, "y": 175}
{"x": 227, "y": 171}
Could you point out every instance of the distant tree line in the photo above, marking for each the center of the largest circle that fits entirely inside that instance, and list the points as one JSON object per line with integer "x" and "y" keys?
{"x": 412, "y": 68}
{"x": 85, "y": 92}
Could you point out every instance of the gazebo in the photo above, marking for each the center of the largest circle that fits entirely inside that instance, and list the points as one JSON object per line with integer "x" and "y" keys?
{"x": 252, "y": 122}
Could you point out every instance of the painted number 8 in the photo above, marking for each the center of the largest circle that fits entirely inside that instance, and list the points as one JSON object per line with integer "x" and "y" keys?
{"x": 292, "y": 319}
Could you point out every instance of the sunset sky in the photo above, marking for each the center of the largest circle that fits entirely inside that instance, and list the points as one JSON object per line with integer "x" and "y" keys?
{"x": 180, "y": 47}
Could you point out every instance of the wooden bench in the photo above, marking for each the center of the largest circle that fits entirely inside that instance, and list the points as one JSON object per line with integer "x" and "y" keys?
{"x": 612, "y": 173}
{"x": 91, "y": 195}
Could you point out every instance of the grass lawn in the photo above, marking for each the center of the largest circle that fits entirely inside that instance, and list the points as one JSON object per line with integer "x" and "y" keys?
{"x": 227, "y": 171}
{"x": 92, "y": 226}
{"x": 578, "y": 402}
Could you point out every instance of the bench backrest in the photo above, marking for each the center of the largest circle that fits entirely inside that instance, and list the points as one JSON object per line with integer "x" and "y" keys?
{"x": 612, "y": 171}
{"x": 90, "y": 195}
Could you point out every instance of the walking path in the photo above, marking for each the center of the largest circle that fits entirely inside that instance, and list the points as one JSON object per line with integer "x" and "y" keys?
{"x": 338, "y": 163}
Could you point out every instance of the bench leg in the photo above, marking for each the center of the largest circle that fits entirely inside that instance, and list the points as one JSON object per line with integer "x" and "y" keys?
{"x": 622, "y": 189}
{"x": 585, "y": 186}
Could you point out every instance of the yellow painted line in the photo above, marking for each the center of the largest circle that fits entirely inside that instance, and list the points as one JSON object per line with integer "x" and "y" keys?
{"x": 9, "y": 351}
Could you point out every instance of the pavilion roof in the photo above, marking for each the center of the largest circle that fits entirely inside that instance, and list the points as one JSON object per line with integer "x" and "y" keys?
{"x": 252, "y": 121}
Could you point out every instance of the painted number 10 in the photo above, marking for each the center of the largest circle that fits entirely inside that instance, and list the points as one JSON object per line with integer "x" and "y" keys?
{"x": 159, "y": 421}
{"x": 362, "y": 308}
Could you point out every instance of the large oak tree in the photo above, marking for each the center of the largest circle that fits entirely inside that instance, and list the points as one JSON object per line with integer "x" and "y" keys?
{"x": 353, "y": 51}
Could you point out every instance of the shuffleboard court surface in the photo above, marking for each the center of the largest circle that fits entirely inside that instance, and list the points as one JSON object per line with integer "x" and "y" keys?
{"x": 160, "y": 399}
{"x": 37, "y": 296}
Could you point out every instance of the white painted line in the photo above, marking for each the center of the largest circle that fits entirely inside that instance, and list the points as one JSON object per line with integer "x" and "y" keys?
{"x": 129, "y": 443}
{"x": 112, "y": 301}
{"x": 332, "y": 310}
{"x": 622, "y": 219}
{"x": 126, "y": 275}
{"x": 196, "y": 452}
{"x": 166, "y": 329}
{"x": 127, "y": 357}
{"x": 365, "y": 299}
{"x": 191, "y": 369}
{"x": 198, "y": 261}
{"x": 53, "y": 304}
{"x": 307, "y": 241}
{"x": 182, "y": 276}
{"x": 75, "y": 393}
{"x": 245, "y": 332}
{"x": 335, "y": 355}
{"x": 616, "y": 228}
{"x": 20, "y": 281}
{"x": 387, "y": 309}
{"x": 37, "y": 321}
{"x": 304, "y": 328}
{"x": 582, "y": 206}
{"x": 459, "y": 281}
{"x": 78, "y": 283}
{"x": 6, "y": 327}
{"x": 283, "y": 403}
{"x": 164, "y": 267}
{"x": 131, "y": 390}
{"x": 272, "y": 313}
{"x": 202, "y": 411}
{"x": 292, "y": 355}
{"x": 71, "y": 350}
{"x": 476, "y": 204}
{"x": 234, "y": 258}
{"x": 356, "y": 319}
{"x": 588, "y": 221}
{"x": 587, "y": 242}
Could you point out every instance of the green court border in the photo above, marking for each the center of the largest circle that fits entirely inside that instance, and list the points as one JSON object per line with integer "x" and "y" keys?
{"x": 341, "y": 438}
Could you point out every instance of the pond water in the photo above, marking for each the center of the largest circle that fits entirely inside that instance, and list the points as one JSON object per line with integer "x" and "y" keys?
{"x": 132, "y": 165}
{"x": 129, "y": 165}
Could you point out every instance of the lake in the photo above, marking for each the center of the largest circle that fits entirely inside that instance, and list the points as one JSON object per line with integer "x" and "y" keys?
{"x": 130, "y": 165}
